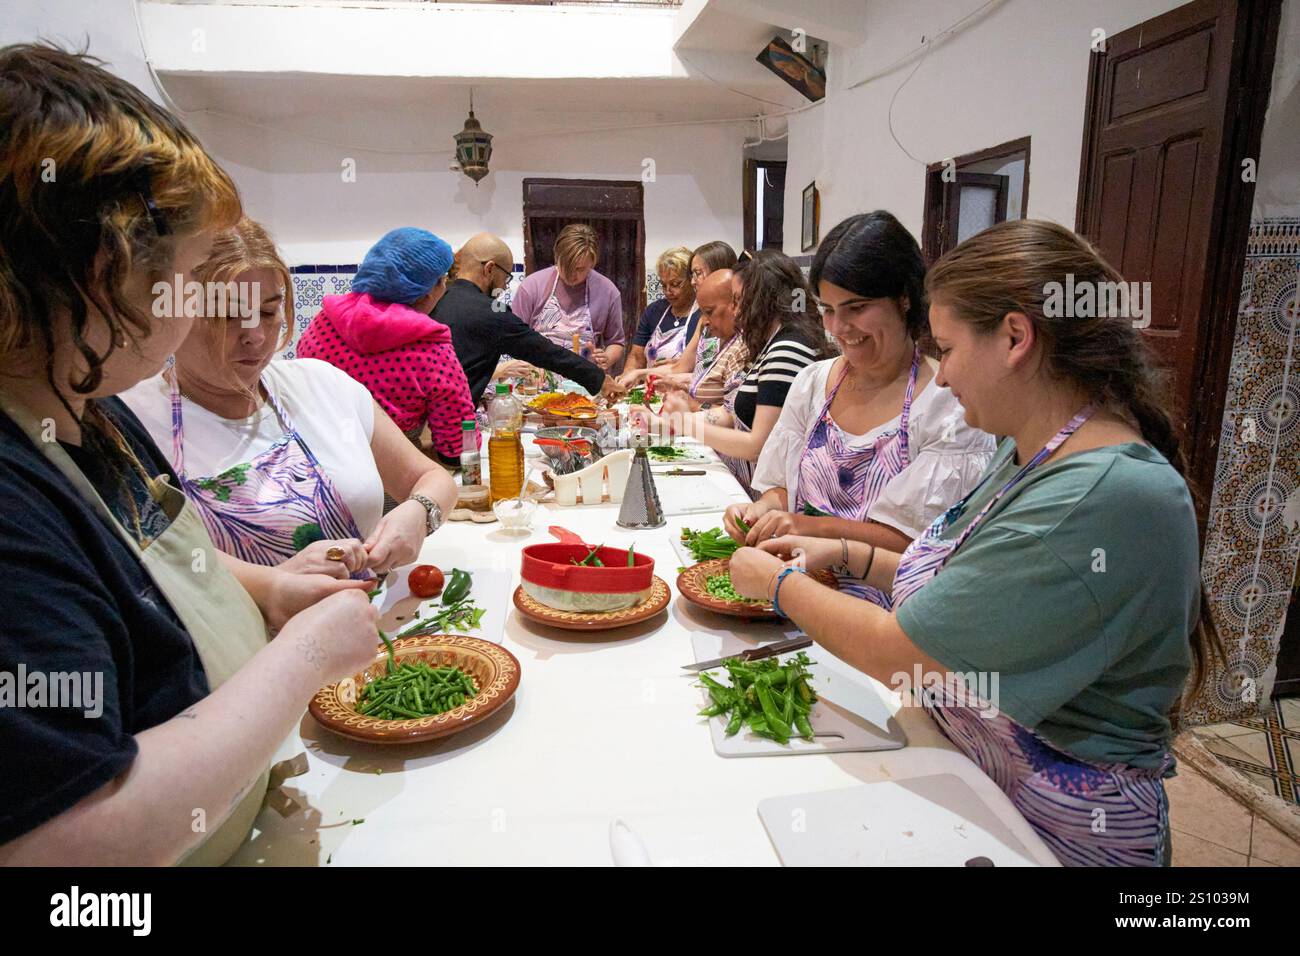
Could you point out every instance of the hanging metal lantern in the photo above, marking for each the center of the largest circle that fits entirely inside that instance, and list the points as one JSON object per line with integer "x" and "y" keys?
{"x": 473, "y": 147}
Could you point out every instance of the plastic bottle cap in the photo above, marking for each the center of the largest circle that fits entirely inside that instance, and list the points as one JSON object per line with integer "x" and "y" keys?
{"x": 502, "y": 388}
{"x": 468, "y": 425}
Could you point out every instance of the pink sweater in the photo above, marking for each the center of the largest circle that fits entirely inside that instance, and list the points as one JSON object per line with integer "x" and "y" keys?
{"x": 403, "y": 356}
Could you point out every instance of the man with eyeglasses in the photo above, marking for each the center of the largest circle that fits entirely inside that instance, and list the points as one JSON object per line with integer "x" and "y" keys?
{"x": 483, "y": 329}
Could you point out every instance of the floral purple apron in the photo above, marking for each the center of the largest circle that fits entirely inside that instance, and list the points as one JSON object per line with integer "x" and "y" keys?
{"x": 664, "y": 346}
{"x": 703, "y": 366}
{"x": 845, "y": 482}
{"x": 266, "y": 510}
{"x": 560, "y": 326}
{"x": 1088, "y": 814}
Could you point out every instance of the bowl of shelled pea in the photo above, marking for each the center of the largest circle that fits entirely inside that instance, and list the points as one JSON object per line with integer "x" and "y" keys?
{"x": 708, "y": 585}
{"x": 429, "y": 686}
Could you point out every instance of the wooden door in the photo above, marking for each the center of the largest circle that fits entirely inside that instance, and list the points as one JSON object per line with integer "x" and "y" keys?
{"x": 1170, "y": 117}
{"x": 614, "y": 208}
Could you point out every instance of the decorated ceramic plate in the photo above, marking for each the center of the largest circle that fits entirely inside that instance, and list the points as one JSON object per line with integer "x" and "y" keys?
{"x": 494, "y": 670}
{"x": 692, "y": 585}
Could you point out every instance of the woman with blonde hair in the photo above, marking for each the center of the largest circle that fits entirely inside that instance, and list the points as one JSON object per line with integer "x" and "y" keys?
{"x": 669, "y": 322}
{"x": 696, "y": 369}
{"x": 1065, "y": 586}
{"x": 286, "y": 461}
{"x": 571, "y": 299}
{"x": 107, "y": 567}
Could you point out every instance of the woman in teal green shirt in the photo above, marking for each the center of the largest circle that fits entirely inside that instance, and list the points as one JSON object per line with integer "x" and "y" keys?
{"x": 1055, "y": 612}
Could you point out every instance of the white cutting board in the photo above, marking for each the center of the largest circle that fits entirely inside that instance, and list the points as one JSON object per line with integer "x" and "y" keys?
{"x": 936, "y": 820}
{"x": 490, "y": 589}
{"x": 850, "y": 710}
{"x": 690, "y": 495}
{"x": 695, "y": 456}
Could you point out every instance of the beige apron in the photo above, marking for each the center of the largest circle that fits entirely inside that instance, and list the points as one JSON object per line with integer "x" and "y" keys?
{"x": 226, "y": 626}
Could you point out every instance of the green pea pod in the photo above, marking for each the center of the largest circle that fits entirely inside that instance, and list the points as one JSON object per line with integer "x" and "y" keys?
{"x": 802, "y": 725}
{"x": 733, "y": 725}
{"x": 631, "y": 556}
{"x": 710, "y": 683}
{"x": 775, "y": 724}
{"x": 713, "y": 710}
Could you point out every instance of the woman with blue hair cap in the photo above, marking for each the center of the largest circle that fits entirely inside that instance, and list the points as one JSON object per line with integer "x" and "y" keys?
{"x": 382, "y": 335}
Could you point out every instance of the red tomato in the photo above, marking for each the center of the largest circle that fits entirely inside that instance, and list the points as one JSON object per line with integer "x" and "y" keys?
{"x": 425, "y": 581}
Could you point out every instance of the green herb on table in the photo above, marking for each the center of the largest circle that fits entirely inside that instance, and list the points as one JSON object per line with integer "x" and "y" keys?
{"x": 709, "y": 545}
{"x": 772, "y": 699}
{"x": 719, "y": 586}
{"x": 415, "y": 690}
{"x": 637, "y": 397}
{"x": 462, "y": 616}
{"x": 667, "y": 453}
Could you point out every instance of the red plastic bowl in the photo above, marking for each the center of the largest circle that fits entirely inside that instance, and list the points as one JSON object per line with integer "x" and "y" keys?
{"x": 550, "y": 566}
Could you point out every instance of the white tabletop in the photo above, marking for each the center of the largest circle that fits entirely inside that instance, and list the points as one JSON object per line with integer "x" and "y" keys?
{"x": 603, "y": 727}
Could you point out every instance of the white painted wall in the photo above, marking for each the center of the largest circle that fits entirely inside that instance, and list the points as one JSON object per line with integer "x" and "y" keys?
{"x": 1019, "y": 70}
{"x": 289, "y": 171}
{"x": 1277, "y": 189}
{"x": 444, "y": 39}
{"x": 109, "y": 25}
{"x": 294, "y": 184}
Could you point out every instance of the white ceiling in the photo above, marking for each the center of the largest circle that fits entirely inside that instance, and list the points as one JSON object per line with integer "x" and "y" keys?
{"x": 280, "y": 95}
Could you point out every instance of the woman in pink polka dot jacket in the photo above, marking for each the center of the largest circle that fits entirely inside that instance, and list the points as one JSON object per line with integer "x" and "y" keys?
{"x": 381, "y": 334}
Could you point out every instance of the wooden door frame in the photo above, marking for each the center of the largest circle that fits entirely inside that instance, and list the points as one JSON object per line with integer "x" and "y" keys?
{"x": 1249, "y": 87}
{"x": 749, "y": 196}
{"x": 634, "y": 212}
{"x": 934, "y": 189}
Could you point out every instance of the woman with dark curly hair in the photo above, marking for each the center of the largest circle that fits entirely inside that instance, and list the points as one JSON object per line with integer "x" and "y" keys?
{"x": 868, "y": 446}
{"x": 776, "y": 324}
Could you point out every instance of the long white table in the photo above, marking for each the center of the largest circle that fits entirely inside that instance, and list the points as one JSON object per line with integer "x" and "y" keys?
{"x": 603, "y": 727}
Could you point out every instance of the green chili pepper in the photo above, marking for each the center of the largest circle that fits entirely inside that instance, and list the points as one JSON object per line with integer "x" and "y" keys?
{"x": 457, "y": 588}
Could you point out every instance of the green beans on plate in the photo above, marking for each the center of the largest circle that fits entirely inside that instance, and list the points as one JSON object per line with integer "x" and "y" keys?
{"x": 414, "y": 690}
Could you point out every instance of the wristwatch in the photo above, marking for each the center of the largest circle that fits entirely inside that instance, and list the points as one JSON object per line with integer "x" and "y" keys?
{"x": 433, "y": 513}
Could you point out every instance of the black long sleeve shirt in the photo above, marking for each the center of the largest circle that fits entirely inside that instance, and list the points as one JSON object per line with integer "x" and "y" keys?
{"x": 481, "y": 335}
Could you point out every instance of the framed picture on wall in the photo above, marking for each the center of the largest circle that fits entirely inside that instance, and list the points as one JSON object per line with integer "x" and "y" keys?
{"x": 812, "y": 210}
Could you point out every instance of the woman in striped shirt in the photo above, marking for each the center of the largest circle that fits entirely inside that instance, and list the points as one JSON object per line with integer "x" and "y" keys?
{"x": 780, "y": 329}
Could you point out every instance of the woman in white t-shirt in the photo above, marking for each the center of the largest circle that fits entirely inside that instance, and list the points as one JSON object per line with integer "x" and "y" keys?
{"x": 287, "y": 462}
{"x": 868, "y": 446}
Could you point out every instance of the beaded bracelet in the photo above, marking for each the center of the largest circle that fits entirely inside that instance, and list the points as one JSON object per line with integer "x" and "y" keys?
{"x": 776, "y": 594}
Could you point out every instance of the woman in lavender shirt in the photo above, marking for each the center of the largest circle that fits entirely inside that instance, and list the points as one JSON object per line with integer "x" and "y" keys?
{"x": 571, "y": 298}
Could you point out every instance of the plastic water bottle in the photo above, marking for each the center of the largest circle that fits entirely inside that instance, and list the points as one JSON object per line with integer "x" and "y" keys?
{"x": 471, "y": 468}
{"x": 505, "y": 448}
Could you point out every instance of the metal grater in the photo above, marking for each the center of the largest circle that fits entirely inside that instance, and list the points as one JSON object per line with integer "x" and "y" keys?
{"x": 641, "y": 507}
